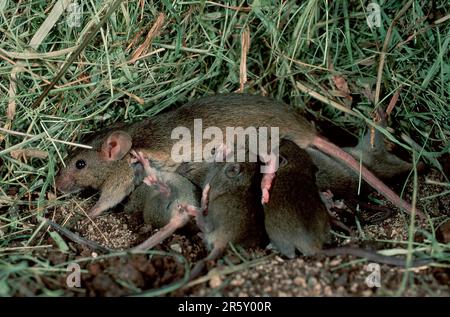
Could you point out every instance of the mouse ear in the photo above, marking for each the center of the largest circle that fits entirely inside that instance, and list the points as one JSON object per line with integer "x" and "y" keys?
{"x": 116, "y": 146}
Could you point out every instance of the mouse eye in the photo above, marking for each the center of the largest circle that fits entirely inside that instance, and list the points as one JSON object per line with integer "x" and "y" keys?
{"x": 233, "y": 170}
{"x": 80, "y": 164}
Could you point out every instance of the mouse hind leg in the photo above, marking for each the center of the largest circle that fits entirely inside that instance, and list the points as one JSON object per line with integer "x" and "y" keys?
{"x": 181, "y": 215}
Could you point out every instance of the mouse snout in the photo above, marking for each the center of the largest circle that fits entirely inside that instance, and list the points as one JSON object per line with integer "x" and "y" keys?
{"x": 65, "y": 183}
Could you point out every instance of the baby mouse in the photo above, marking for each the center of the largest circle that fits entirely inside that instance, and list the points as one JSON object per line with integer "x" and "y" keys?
{"x": 162, "y": 205}
{"x": 232, "y": 210}
{"x": 295, "y": 217}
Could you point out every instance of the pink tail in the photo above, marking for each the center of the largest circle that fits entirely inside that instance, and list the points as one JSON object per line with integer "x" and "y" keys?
{"x": 336, "y": 152}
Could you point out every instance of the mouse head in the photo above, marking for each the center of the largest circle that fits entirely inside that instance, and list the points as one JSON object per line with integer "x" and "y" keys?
{"x": 90, "y": 168}
{"x": 231, "y": 178}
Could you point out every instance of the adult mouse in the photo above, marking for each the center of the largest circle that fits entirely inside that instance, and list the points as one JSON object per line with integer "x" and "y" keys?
{"x": 106, "y": 166}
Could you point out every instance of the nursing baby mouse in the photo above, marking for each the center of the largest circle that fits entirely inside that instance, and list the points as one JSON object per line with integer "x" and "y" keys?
{"x": 295, "y": 217}
{"x": 232, "y": 210}
{"x": 162, "y": 200}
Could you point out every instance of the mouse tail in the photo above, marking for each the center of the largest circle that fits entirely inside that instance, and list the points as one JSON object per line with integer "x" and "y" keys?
{"x": 336, "y": 152}
{"x": 179, "y": 220}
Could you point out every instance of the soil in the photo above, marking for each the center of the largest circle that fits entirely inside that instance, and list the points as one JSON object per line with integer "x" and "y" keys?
{"x": 258, "y": 272}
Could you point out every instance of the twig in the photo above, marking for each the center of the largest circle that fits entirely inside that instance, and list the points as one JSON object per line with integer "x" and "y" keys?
{"x": 75, "y": 237}
{"x": 245, "y": 45}
{"x": 152, "y": 33}
{"x": 35, "y": 55}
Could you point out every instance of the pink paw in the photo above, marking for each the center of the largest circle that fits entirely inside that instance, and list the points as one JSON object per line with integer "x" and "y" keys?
{"x": 266, "y": 185}
{"x": 205, "y": 197}
{"x": 138, "y": 157}
{"x": 191, "y": 210}
{"x": 265, "y": 196}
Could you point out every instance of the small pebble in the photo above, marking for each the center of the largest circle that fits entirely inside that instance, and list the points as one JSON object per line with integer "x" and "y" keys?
{"x": 238, "y": 281}
{"x": 300, "y": 281}
{"x": 215, "y": 281}
{"x": 176, "y": 247}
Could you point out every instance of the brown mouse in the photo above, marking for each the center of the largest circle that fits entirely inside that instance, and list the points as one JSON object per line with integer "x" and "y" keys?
{"x": 98, "y": 167}
{"x": 295, "y": 217}
{"x": 164, "y": 193}
{"x": 232, "y": 212}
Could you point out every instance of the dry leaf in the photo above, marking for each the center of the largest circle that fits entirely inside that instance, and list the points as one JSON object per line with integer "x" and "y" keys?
{"x": 32, "y": 153}
{"x": 245, "y": 45}
{"x": 342, "y": 87}
{"x": 393, "y": 102}
{"x": 154, "y": 31}
{"x": 341, "y": 84}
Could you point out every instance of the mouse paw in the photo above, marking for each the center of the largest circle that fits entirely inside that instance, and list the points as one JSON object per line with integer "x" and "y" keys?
{"x": 138, "y": 156}
{"x": 329, "y": 202}
{"x": 266, "y": 185}
{"x": 191, "y": 210}
{"x": 205, "y": 196}
{"x": 265, "y": 197}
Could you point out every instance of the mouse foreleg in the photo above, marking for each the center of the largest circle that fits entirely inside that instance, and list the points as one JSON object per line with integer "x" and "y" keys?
{"x": 267, "y": 179}
{"x": 152, "y": 177}
{"x": 112, "y": 194}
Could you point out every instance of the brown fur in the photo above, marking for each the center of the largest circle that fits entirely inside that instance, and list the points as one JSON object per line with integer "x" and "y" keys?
{"x": 295, "y": 217}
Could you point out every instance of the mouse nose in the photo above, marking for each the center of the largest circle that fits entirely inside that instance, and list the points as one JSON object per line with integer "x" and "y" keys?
{"x": 63, "y": 182}
{"x": 58, "y": 182}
